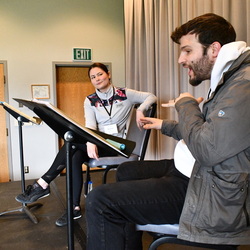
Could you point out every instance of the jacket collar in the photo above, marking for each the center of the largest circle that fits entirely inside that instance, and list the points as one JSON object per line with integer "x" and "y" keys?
{"x": 242, "y": 59}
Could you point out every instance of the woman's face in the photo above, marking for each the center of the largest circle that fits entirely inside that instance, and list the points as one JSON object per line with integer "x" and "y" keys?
{"x": 100, "y": 79}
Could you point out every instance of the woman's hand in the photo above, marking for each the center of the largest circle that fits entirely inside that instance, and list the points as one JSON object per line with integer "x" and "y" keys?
{"x": 151, "y": 123}
{"x": 92, "y": 150}
{"x": 139, "y": 116}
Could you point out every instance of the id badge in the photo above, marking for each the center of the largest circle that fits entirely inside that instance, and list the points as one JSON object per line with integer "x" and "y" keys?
{"x": 111, "y": 129}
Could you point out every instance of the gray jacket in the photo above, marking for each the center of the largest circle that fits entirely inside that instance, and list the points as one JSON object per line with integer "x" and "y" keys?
{"x": 217, "y": 205}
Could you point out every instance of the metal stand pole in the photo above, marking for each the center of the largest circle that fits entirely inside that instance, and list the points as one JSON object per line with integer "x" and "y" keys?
{"x": 68, "y": 137}
{"x": 20, "y": 124}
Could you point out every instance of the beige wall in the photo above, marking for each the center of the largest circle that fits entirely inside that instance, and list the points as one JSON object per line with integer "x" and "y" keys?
{"x": 34, "y": 34}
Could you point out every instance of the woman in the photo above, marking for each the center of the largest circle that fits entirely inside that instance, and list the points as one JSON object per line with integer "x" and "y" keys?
{"x": 106, "y": 110}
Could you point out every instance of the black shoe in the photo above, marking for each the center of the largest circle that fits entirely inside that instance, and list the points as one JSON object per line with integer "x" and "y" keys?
{"x": 33, "y": 193}
{"x": 62, "y": 221}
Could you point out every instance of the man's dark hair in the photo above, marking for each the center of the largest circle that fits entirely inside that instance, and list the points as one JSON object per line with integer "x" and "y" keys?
{"x": 209, "y": 28}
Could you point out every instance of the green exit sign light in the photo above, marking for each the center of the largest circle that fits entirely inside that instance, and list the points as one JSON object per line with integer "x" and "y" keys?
{"x": 82, "y": 54}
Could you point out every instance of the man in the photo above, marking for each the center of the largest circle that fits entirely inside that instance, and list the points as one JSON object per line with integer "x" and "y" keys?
{"x": 216, "y": 205}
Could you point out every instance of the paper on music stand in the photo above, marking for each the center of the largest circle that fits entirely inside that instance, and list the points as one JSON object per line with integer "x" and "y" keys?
{"x": 15, "y": 112}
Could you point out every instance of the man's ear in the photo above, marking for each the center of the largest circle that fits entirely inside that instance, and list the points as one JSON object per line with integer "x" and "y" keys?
{"x": 215, "y": 46}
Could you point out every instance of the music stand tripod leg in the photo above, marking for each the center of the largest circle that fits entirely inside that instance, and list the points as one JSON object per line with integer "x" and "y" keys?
{"x": 24, "y": 208}
{"x": 30, "y": 214}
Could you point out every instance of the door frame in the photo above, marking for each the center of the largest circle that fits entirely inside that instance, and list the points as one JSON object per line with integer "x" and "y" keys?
{"x": 7, "y": 117}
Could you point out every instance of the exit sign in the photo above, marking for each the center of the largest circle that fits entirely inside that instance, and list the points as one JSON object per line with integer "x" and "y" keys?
{"x": 82, "y": 54}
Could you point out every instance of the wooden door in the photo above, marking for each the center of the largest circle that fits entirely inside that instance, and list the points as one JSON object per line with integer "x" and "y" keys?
{"x": 4, "y": 168}
{"x": 72, "y": 87}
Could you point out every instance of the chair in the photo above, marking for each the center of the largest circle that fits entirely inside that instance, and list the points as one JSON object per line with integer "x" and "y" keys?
{"x": 167, "y": 233}
{"x": 141, "y": 137}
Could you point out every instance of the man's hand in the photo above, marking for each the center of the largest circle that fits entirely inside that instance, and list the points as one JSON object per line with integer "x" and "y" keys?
{"x": 151, "y": 123}
{"x": 92, "y": 150}
{"x": 171, "y": 103}
{"x": 182, "y": 95}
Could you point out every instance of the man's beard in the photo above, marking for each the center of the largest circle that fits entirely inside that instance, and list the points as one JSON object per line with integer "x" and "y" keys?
{"x": 202, "y": 70}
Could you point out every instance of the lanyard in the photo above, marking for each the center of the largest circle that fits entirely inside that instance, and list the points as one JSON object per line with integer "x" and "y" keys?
{"x": 112, "y": 100}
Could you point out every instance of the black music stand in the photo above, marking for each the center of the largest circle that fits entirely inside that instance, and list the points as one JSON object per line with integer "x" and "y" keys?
{"x": 72, "y": 132}
{"x": 21, "y": 118}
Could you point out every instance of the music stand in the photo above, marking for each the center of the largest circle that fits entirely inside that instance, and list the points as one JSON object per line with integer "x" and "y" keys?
{"x": 21, "y": 118}
{"x": 71, "y": 132}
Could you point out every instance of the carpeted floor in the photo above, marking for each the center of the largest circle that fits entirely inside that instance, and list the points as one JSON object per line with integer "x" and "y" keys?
{"x": 18, "y": 232}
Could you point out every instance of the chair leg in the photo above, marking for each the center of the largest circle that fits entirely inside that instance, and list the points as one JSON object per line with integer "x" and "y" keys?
{"x": 157, "y": 242}
{"x": 87, "y": 180}
{"x": 104, "y": 177}
{"x": 174, "y": 240}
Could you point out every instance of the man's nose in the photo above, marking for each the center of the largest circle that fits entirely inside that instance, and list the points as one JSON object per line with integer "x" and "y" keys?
{"x": 181, "y": 59}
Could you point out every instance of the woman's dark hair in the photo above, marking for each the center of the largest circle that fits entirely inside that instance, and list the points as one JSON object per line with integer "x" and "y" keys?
{"x": 209, "y": 28}
{"x": 98, "y": 65}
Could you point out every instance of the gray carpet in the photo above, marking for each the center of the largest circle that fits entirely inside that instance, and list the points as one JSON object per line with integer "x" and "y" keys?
{"x": 18, "y": 232}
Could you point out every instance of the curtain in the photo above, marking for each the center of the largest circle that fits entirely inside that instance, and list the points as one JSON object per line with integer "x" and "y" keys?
{"x": 152, "y": 58}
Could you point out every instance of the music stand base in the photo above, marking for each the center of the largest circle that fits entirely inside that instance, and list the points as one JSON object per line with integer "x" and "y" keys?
{"x": 24, "y": 209}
